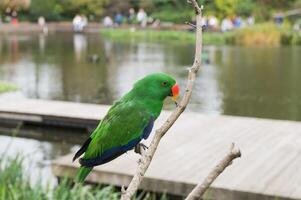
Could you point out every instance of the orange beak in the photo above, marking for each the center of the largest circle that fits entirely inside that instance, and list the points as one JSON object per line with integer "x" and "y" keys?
{"x": 175, "y": 92}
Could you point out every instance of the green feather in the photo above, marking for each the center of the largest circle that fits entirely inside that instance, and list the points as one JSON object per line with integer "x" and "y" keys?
{"x": 82, "y": 174}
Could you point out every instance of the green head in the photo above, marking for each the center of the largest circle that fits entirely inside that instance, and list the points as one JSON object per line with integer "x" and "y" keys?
{"x": 156, "y": 86}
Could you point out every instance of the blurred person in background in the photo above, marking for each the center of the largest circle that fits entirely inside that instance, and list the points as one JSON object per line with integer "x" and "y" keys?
{"x": 142, "y": 17}
{"x": 42, "y": 24}
{"x": 250, "y": 20}
{"x": 132, "y": 15}
{"x": 226, "y": 25}
{"x": 118, "y": 19}
{"x": 237, "y": 22}
{"x": 77, "y": 27}
{"x": 79, "y": 22}
{"x": 212, "y": 22}
{"x": 108, "y": 22}
{"x": 14, "y": 19}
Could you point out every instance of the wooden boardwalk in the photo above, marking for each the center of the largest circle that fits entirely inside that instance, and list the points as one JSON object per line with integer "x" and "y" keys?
{"x": 270, "y": 165}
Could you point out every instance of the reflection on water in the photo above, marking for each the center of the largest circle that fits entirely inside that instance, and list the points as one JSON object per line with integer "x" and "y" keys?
{"x": 39, "y": 147}
{"x": 37, "y": 155}
{"x": 259, "y": 82}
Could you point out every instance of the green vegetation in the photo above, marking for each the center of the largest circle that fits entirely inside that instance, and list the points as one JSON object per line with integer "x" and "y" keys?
{"x": 168, "y": 36}
{"x": 5, "y": 87}
{"x": 16, "y": 185}
{"x": 263, "y": 34}
{"x": 54, "y": 10}
{"x": 266, "y": 34}
{"x": 165, "y": 10}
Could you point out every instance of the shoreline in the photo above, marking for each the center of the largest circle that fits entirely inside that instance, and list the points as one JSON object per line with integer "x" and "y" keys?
{"x": 258, "y": 35}
{"x": 92, "y": 27}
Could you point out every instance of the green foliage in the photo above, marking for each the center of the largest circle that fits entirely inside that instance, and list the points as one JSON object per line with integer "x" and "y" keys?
{"x": 16, "y": 185}
{"x": 50, "y": 9}
{"x": 226, "y": 7}
{"x": 54, "y": 10}
{"x": 267, "y": 34}
{"x": 6, "y": 87}
{"x": 291, "y": 38}
{"x": 263, "y": 34}
{"x": 165, "y": 10}
{"x": 166, "y": 36}
{"x": 245, "y": 7}
{"x": 170, "y": 15}
{"x": 86, "y": 7}
{"x": 171, "y": 11}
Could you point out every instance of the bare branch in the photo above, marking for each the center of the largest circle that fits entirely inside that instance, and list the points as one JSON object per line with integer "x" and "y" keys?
{"x": 146, "y": 158}
{"x": 201, "y": 188}
{"x": 190, "y": 24}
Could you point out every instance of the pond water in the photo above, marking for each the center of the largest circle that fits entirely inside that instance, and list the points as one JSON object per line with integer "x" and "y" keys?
{"x": 243, "y": 81}
{"x": 37, "y": 155}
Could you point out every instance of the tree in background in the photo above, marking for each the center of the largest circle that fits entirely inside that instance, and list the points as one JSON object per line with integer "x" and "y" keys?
{"x": 50, "y": 9}
{"x": 66, "y": 9}
{"x": 114, "y": 6}
{"x": 265, "y": 8}
{"x": 171, "y": 10}
{"x": 13, "y": 5}
{"x": 225, "y": 7}
{"x": 95, "y": 8}
{"x": 245, "y": 8}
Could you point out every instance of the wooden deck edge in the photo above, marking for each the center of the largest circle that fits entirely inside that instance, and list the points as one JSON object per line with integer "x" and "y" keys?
{"x": 55, "y": 120}
{"x": 158, "y": 185}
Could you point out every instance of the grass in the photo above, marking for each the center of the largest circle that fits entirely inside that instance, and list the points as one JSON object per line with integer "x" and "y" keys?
{"x": 16, "y": 185}
{"x": 262, "y": 34}
{"x": 266, "y": 34}
{"x": 6, "y": 87}
{"x": 166, "y": 36}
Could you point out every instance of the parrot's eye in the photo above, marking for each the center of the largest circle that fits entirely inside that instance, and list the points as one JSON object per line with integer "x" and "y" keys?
{"x": 164, "y": 83}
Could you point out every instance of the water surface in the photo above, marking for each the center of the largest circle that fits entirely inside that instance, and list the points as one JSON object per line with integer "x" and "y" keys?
{"x": 244, "y": 81}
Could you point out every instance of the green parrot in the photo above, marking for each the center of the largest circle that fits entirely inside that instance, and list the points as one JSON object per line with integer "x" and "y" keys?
{"x": 127, "y": 122}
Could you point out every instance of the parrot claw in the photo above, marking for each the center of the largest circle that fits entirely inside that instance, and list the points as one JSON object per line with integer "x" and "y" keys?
{"x": 143, "y": 146}
{"x": 176, "y": 104}
{"x": 139, "y": 148}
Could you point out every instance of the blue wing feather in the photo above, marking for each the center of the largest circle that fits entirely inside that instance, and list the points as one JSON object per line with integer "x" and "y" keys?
{"x": 148, "y": 129}
{"x": 115, "y": 152}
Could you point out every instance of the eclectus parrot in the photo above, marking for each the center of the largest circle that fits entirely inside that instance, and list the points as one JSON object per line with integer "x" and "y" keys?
{"x": 127, "y": 122}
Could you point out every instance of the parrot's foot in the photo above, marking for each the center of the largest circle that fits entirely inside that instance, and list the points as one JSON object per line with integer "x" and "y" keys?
{"x": 140, "y": 148}
{"x": 176, "y": 104}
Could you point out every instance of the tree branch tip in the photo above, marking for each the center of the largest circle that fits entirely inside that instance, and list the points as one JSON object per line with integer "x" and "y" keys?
{"x": 190, "y": 24}
{"x": 236, "y": 153}
{"x": 123, "y": 190}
